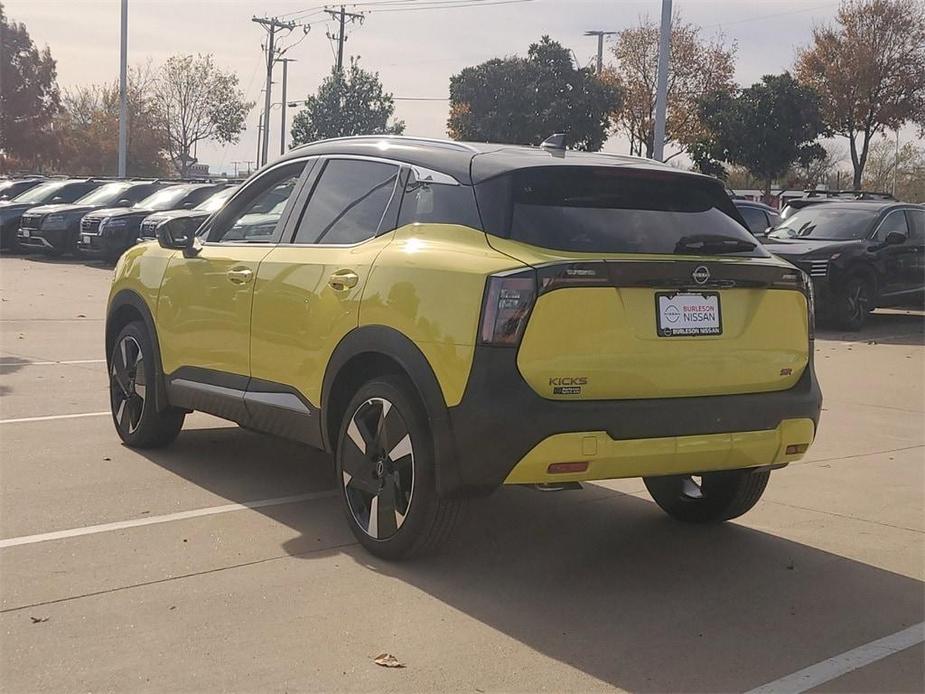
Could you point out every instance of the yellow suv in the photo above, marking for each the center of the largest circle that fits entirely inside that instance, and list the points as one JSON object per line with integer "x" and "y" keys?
{"x": 445, "y": 318}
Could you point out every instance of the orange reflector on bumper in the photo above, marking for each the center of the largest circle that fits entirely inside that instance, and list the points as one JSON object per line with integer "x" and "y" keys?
{"x": 559, "y": 468}
{"x": 795, "y": 448}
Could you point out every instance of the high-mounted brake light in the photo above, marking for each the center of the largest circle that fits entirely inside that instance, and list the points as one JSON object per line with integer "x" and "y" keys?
{"x": 508, "y": 300}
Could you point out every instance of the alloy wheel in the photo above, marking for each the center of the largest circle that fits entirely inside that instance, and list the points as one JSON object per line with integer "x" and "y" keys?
{"x": 127, "y": 385}
{"x": 377, "y": 468}
{"x": 858, "y": 301}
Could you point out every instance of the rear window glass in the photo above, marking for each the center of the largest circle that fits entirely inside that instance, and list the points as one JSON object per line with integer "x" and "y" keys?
{"x": 609, "y": 210}
{"x": 437, "y": 203}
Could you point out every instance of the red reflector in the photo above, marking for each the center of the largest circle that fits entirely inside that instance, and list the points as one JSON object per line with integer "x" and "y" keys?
{"x": 559, "y": 468}
{"x": 795, "y": 448}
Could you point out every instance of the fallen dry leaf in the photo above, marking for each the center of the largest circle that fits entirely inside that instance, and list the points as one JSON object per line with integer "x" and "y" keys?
{"x": 387, "y": 660}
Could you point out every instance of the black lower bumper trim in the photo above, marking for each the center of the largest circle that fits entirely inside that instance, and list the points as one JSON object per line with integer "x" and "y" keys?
{"x": 500, "y": 418}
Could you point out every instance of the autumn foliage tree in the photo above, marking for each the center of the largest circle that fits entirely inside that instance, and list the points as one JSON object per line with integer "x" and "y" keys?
{"x": 525, "y": 100}
{"x": 869, "y": 71}
{"x": 697, "y": 66}
{"x": 88, "y": 129}
{"x": 29, "y": 99}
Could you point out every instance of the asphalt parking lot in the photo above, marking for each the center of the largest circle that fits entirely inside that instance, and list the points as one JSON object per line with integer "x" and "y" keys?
{"x": 164, "y": 575}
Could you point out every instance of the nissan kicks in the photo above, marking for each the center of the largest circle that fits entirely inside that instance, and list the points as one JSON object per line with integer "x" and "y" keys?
{"x": 446, "y": 318}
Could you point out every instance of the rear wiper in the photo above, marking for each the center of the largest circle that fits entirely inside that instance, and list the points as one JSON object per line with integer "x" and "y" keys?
{"x": 712, "y": 243}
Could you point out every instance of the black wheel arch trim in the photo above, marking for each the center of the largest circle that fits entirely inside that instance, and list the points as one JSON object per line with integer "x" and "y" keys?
{"x": 388, "y": 342}
{"x": 128, "y": 297}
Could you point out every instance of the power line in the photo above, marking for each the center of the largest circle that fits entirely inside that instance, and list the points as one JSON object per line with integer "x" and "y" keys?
{"x": 447, "y": 6}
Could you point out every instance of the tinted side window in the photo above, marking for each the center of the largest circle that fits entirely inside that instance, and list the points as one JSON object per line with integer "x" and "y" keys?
{"x": 348, "y": 202}
{"x": 437, "y": 203}
{"x": 258, "y": 210}
{"x": 73, "y": 192}
{"x": 894, "y": 221}
{"x": 756, "y": 219}
{"x": 917, "y": 222}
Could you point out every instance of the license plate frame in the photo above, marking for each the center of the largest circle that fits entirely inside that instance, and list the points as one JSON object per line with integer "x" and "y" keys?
{"x": 26, "y": 233}
{"x": 682, "y": 327}
{"x": 85, "y": 239}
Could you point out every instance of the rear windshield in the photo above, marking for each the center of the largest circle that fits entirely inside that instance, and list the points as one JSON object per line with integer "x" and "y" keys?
{"x": 610, "y": 210}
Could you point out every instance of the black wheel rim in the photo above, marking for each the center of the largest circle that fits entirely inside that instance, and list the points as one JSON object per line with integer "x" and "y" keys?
{"x": 858, "y": 300}
{"x": 377, "y": 468}
{"x": 127, "y": 385}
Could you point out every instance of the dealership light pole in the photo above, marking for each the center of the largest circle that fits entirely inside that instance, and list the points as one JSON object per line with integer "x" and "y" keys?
{"x": 282, "y": 132}
{"x": 661, "y": 93}
{"x": 123, "y": 92}
{"x": 600, "y": 46}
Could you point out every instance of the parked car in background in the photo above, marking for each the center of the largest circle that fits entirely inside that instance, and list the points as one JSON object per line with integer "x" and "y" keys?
{"x": 61, "y": 190}
{"x": 194, "y": 217}
{"x": 108, "y": 232}
{"x": 758, "y": 216}
{"x": 861, "y": 255}
{"x": 11, "y": 187}
{"x": 55, "y": 228}
{"x": 814, "y": 197}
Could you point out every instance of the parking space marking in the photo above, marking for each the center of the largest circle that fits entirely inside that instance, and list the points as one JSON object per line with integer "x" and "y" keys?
{"x": 827, "y": 670}
{"x": 46, "y": 418}
{"x": 52, "y": 363}
{"x": 167, "y": 518}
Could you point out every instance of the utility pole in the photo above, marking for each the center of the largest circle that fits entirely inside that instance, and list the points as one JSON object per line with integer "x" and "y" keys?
{"x": 341, "y": 16}
{"x": 282, "y": 131}
{"x": 271, "y": 25}
{"x": 600, "y": 46}
{"x": 895, "y": 164}
{"x": 123, "y": 93}
{"x": 661, "y": 93}
{"x": 259, "y": 131}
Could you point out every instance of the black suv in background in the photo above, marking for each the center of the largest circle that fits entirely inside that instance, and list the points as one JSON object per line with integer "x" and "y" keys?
{"x": 11, "y": 187}
{"x": 54, "y": 228}
{"x": 59, "y": 190}
{"x": 758, "y": 216}
{"x": 861, "y": 255}
{"x": 109, "y": 232}
{"x": 192, "y": 218}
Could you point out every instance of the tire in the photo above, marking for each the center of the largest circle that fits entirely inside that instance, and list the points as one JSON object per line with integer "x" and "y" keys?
{"x": 719, "y": 496}
{"x": 386, "y": 470}
{"x": 132, "y": 379}
{"x": 854, "y": 302}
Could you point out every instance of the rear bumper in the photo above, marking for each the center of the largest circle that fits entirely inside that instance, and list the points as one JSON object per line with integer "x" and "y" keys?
{"x": 501, "y": 420}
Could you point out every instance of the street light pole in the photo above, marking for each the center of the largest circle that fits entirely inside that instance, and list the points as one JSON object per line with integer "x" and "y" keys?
{"x": 661, "y": 94}
{"x": 123, "y": 93}
{"x": 282, "y": 131}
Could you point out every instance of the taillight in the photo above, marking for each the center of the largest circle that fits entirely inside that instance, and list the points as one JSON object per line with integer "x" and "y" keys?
{"x": 508, "y": 300}
{"x": 810, "y": 294}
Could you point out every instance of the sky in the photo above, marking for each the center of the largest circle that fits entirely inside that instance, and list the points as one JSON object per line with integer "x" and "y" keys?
{"x": 414, "y": 52}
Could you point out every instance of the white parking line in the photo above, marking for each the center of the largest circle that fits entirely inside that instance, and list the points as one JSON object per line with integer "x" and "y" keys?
{"x": 152, "y": 520}
{"x": 820, "y": 673}
{"x": 51, "y": 363}
{"x": 20, "y": 420}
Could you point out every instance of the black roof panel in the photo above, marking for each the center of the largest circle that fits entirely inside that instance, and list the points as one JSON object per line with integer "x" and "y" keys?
{"x": 470, "y": 162}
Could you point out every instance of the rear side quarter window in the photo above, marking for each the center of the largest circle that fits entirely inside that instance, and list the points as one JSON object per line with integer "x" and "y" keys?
{"x": 438, "y": 202}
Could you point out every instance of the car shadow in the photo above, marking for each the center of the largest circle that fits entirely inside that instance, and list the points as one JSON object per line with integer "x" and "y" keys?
{"x": 598, "y": 580}
{"x": 883, "y": 326}
{"x": 39, "y": 257}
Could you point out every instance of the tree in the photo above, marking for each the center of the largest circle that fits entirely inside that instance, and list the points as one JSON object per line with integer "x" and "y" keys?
{"x": 766, "y": 128}
{"x": 88, "y": 129}
{"x": 817, "y": 171}
{"x": 869, "y": 71}
{"x": 29, "y": 98}
{"x": 196, "y": 101}
{"x": 696, "y": 67}
{"x": 906, "y": 166}
{"x": 350, "y": 102}
{"x": 525, "y": 100}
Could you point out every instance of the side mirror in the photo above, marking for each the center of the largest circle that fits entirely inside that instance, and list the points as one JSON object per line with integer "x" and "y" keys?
{"x": 187, "y": 205}
{"x": 57, "y": 199}
{"x": 124, "y": 203}
{"x": 895, "y": 238}
{"x": 175, "y": 234}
